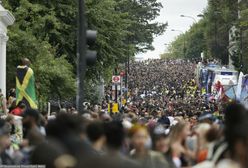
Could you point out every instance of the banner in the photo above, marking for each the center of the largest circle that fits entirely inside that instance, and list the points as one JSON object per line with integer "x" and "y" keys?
{"x": 231, "y": 92}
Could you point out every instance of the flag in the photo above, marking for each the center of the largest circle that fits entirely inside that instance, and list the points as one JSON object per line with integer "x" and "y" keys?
{"x": 231, "y": 92}
{"x": 25, "y": 87}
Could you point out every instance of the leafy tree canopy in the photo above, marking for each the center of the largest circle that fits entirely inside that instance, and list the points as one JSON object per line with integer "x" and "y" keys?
{"x": 46, "y": 32}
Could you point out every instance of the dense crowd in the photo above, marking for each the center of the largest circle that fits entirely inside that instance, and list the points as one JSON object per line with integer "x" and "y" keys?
{"x": 166, "y": 85}
{"x": 167, "y": 122}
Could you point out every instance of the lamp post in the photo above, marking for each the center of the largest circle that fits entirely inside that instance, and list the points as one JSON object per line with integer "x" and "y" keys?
{"x": 191, "y": 17}
{"x": 184, "y": 47}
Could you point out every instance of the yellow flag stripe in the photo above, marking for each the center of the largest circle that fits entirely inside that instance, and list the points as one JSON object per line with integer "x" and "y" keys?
{"x": 25, "y": 95}
{"x": 26, "y": 78}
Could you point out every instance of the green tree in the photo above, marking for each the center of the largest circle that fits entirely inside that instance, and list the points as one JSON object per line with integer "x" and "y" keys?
{"x": 47, "y": 29}
{"x": 242, "y": 58}
{"x": 211, "y": 34}
{"x": 54, "y": 76}
{"x": 194, "y": 40}
{"x": 143, "y": 28}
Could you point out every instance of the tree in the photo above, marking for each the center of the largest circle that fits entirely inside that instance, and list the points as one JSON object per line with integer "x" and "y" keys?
{"x": 211, "y": 34}
{"x": 221, "y": 15}
{"x": 54, "y": 76}
{"x": 194, "y": 40}
{"x": 47, "y": 29}
{"x": 242, "y": 58}
{"x": 119, "y": 35}
{"x": 143, "y": 28}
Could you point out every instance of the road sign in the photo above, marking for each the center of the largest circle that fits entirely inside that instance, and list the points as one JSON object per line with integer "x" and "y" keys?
{"x": 116, "y": 79}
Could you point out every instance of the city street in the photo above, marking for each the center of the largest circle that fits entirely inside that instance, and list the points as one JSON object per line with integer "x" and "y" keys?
{"x": 124, "y": 84}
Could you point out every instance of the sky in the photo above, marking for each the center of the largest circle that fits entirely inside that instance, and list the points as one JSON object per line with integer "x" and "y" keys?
{"x": 172, "y": 9}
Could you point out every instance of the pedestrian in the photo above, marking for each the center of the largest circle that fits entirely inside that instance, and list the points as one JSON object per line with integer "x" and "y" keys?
{"x": 5, "y": 158}
{"x": 25, "y": 85}
{"x": 179, "y": 151}
{"x": 3, "y": 105}
{"x": 19, "y": 109}
{"x": 141, "y": 152}
{"x": 95, "y": 133}
{"x": 115, "y": 136}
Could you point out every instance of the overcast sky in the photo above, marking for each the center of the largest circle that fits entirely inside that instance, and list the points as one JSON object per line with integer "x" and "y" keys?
{"x": 171, "y": 14}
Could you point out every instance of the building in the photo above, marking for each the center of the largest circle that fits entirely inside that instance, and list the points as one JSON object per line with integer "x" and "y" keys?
{"x": 6, "y": 19}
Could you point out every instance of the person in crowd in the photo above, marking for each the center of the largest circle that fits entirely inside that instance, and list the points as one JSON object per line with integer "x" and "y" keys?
{"x": 5, "y": 158}
{"x": 30, "y": 121}
{"x": 11, "y": 97}
{"x": 33, "y": 139}
{"x": 170, "y": 123}
{"x": 160, "y": 139}
{"x": 69, "y": 130}
{"x": 19, "y": 109}
{"x": 32, "y": 136}
{"x": 141, "y": 142}
{"x": 95, "y": 133}
{"x": 203, "y": 144}
{"x": 3, "y": 104}
{"x": 25, "y": 85}
{"x": 53, "y": 155}
{"x": 15, "y": 130}
{"x": 236, "y": 135}
{"x": 179, "y": 151}
{"x": 115, "y": 136}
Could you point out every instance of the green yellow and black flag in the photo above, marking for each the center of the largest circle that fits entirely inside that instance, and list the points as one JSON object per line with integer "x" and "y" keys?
{"x": 25, "y": 87}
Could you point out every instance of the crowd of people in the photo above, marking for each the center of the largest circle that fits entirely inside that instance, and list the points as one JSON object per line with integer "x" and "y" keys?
{"x": 165, "y": 85}
{"x": 167, "y": 122}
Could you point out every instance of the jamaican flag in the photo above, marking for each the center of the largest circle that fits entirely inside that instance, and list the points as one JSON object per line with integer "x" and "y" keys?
{"x": 25, "y": 87}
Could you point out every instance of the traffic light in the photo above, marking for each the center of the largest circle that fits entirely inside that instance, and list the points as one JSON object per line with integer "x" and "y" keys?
{"x": 85, "y": 56}
{"x": 91, "y": 55}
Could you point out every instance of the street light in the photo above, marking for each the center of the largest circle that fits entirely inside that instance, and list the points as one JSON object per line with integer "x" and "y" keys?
{"x": 185, "y": 16}
{"x": 184, "y": 48}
